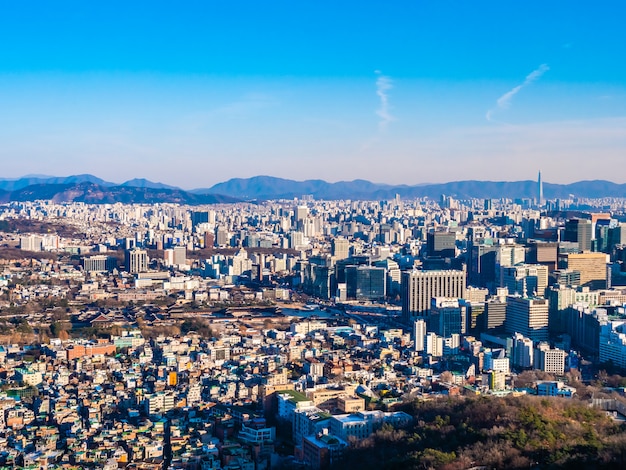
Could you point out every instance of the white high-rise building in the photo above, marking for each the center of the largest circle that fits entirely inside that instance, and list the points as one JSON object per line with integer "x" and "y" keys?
{"x": 528, "y": 317}
{"x": 419, "y": 331}
{"x": 522, "y": 351}
{"x": 419, "y": 287}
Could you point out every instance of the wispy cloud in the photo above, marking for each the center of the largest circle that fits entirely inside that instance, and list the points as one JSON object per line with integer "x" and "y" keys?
{"x": 383, "y": 85}
{"x": 504, "y": 102}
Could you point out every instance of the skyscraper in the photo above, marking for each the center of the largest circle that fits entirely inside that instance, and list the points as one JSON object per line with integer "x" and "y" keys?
{"x": 540, "y": 190}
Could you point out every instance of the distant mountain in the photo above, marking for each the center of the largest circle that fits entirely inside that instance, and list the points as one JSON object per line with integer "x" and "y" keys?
{"x": 89, "y": 188}
{"x": 92, "y": 193}
{"x": 144, "y": 183}
{"x": 15, "y": 184}
{"x": 267, "y": 187}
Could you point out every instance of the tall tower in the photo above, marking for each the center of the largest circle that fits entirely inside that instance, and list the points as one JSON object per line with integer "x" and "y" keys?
{"x": 540, "y": 190}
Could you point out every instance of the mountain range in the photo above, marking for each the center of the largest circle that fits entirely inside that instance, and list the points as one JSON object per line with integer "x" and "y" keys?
{"x": 267, "y": 187}
{"x": 91, "y": 189}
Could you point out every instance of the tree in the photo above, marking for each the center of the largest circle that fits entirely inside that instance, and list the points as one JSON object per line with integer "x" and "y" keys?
{"x": 57, "y": 327}
{"x": 446, "y": 377}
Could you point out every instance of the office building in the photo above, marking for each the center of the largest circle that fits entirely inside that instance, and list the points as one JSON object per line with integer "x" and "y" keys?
{"x": 340, "y": 248}
{"x": 565, "y": 277}
{"x": 528, "y": 317}
{"x": 448, "y": 316}
{"x": 99, "y": 263}
{"x": 579, "y": 231}
{"x": 419, "y": 287}
{"x": 441, "y": 244}
{"x": 365, "y": 283}
{"x": 136, "y": 261}
{"x": 545, "y": 253}
{"x": 199, "y": 217}
{"x": 522, "y": 352}
{"x": 318, "y": 278}
{"x": 222, "y": 237}
{"x": 494, "y": 316}
{"x": 419, "y": 333}
{"x": 550, "y": 360}
{"x": 176, "y": 256}
{"x": 526, "y": 280}
{"x": 591, "y": 266}
{"x": 296, "y": 240}
{"x": 482, "y": 265}
{"x": 616, "y": 236}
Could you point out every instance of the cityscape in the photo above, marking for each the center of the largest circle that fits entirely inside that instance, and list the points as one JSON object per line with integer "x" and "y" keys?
{"x": 312, "y": 235}
{"x": 285, "y": 333}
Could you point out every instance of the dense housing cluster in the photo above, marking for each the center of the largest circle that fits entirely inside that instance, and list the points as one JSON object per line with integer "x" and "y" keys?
{"x": 284, "y": 332}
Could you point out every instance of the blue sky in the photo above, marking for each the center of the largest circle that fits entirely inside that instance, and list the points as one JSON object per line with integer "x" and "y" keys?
{"x": 397, "y": 92}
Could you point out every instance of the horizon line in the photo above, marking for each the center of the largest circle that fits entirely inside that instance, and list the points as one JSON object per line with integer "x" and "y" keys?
{"x": 209, "y": 186}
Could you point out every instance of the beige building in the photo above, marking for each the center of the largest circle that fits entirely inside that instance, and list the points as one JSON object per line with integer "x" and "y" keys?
{"x": 591, "y": 266}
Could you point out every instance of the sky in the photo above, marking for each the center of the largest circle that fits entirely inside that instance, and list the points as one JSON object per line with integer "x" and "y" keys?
{"x": 399, "y": 92}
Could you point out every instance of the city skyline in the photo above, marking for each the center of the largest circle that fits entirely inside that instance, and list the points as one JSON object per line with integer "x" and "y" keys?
{"x": 407, "y": 94}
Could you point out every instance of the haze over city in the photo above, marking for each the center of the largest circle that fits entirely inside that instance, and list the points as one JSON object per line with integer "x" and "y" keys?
{"x": 411, "y": 92}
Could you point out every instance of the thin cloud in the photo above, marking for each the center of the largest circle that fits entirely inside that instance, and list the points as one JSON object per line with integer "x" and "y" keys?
{"x": 383, "y": 85}
{"x": 504, "y": 102}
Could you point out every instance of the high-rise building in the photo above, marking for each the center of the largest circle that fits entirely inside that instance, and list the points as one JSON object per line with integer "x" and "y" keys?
{"x": 591, "y": 266}
{"x": 419, "y": 333}
{"x": 340, "y": 248}
{"x": 365, "y": 282}
{"x": 528, "y": 317}
{"x": 482, "y": 265}
{"x": 319, "y": 277}
{"x": 30, "y": 243}
{"x": 176, "y": 256}
{"x": 494, "y": 315}
{"x": 209, "y": 239}
{"x": 222, "y": 237}
{"x": 448, "y": 316}
{"x": 527, "y": 280}
{"x": 419, "y": 287}
{"x": 199, "y": 217}
{"x": 616, "y": 236}
{"x": 180, "y": 255}
{"x": 296, "y": 240}
{"x": 545, "y": 253}
{"x": 136, "y": 261}
{"x": 301, "y": 213}
{"x": 540, "y": 200}
{"x": 441, "y": 244}
{"x": 522, "y": 351}
{"x": 601, "y": 236}
{"x": 394, "y": 276}
{"x": 579, "y": 231}
{"x": 550, "y": 360}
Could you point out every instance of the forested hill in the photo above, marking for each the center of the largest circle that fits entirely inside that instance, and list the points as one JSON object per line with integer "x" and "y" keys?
{"x": 504, "y": 433}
